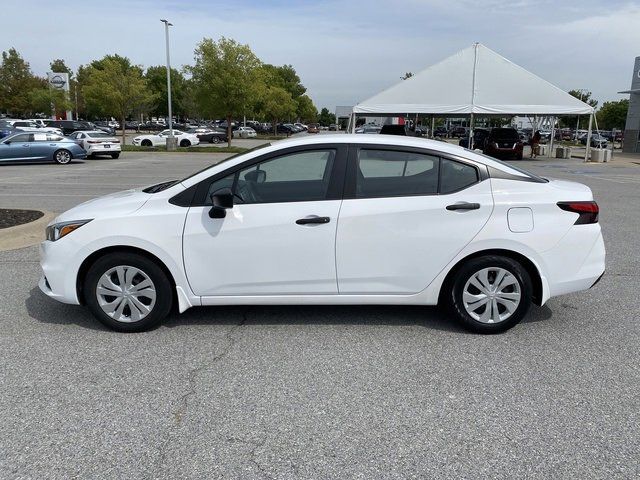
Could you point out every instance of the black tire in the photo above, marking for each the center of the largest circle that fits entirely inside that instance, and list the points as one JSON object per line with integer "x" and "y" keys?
{"x": 215, "y": 140}
{"x": 163, "y": 290}
{"x": 185, "y": 143}
{"x": 146, "y": 143}
{"x": 62, "y": 156}
{"x": 454, "y": 295}
{"x": 115, "y": 155}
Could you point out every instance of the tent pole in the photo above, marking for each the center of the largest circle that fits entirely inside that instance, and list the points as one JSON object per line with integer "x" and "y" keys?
{"x": 553, "y": 135}
{"x": 352, "y": 122}
{"x": 471, "y": 132}
{"x": 433, "y": 125}
{"x": 587, "y": 152}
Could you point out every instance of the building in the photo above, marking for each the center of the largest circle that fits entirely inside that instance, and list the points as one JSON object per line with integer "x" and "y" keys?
{"x": 631, "y": 142}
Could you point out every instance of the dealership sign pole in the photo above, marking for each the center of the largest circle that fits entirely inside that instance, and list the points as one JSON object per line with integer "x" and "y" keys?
{"x": 171, "y": 144}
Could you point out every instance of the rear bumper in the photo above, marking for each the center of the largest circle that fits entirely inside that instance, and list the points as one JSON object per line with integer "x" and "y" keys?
{"x": 97, "y": 149}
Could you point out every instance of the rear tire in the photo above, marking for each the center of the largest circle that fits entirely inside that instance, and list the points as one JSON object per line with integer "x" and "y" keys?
{"x": 215, "y": 140}
{"x": 127, "y": 292}
{"x": 489, "y": 294}
{"x": 115, "y": 155}
{"x": 185, "y": 143}
{"x": 62, "y": 156}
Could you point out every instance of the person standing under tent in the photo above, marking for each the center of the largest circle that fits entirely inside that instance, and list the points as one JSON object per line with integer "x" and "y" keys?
{"x": 535, "y": 141}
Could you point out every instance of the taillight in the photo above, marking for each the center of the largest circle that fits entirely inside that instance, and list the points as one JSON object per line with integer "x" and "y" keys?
{"x": 587, "y": 211}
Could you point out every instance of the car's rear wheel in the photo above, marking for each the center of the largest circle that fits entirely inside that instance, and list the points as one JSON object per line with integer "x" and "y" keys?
{"x": 62, "y": 156}
{"x": 215, "y": 140}
{"x": 115, "y": 155}
{"x": 185, "y": 143}
{"x": 146, "y": 143}
{"x": 127, "y": 292}
{"x": 490, "y": 294}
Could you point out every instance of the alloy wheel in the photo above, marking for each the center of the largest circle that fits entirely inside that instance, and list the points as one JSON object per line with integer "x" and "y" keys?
{"x": 62, "y": 156}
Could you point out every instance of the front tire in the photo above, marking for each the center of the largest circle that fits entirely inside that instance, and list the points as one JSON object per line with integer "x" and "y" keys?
{"x": 146, "y": 143}
{"x": 62, "y": 156}
{"x": 127, "y": 292}
{"x": 115, "y": 155}
{"x": 215, "y": 140}
{"x": 185, "y": 143}
{"x": 490, "y": 294}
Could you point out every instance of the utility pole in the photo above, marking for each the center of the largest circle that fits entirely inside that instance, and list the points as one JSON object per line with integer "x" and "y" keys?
{"x": 171, "y": 141}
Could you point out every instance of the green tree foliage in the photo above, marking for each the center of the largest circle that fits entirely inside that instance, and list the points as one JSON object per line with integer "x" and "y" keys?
{"x": 44, "y": 100}
{"x": 16, "y": 84}
{"x": 326, "y": 118}
{"x": 583, "y": 95}
{"x": 284, "y": 77}
{"x": 225, "y": 77}
{"x": 613, "y": 115}
{"x": 115, "y": 87}
{"x": 277, "y": 105}
{"x": 157, "y": 81}
{"x": 306, "y": 110}
{"x": 58, "y": 66}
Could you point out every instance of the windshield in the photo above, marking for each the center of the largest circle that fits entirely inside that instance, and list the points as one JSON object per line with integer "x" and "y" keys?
{"x": 227, "y": 159}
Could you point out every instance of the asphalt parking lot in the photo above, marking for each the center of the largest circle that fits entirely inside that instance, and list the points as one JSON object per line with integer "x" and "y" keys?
{"x": 318, "y": 392}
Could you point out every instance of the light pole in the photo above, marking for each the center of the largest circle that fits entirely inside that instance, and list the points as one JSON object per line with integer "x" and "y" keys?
{"x": 171, "y": 143}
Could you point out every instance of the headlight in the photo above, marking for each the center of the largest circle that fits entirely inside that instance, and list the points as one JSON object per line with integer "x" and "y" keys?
{"x": 58, "y": 230}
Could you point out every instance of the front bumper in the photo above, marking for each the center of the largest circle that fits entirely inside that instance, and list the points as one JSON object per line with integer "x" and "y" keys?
{"x": 59, "y": 274}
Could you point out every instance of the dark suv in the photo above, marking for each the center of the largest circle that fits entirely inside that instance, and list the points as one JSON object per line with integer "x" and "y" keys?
{"x": 69, "y": 126}
{"x": 503, "y": 143}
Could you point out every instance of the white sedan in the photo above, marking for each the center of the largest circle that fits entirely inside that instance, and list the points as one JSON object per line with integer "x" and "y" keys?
{"x": 341, "y": 219}
{"x": 244, "y": 132}
{"x": 97, "y": 142}
{"x": 160, "y": 139}
{"x": 31, "y": 126}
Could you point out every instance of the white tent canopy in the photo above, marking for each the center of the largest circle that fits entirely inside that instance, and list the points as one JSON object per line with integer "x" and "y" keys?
{"x": 477, "y": 81}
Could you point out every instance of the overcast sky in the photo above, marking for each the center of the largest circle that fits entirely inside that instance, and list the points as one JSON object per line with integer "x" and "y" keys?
{"x": 344, "y": 51}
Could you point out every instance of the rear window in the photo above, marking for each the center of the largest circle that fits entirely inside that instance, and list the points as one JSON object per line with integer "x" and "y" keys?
{"x": 506, "y": 133}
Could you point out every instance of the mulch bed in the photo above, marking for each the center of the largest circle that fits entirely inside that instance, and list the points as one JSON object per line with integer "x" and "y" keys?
{"x": 12, "y": 217}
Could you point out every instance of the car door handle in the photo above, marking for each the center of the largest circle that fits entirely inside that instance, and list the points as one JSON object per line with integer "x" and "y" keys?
{"x": 463, "y": 206}
{"x": 312, "y": 219}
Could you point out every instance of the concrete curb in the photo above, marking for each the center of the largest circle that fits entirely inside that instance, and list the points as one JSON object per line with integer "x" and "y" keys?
{"x": 26, "y": 234}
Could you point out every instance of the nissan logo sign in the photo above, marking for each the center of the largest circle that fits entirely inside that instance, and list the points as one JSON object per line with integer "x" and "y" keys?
{"x": 57, "y": 81}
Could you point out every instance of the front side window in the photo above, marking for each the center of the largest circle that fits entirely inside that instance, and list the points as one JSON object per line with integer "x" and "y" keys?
{"x": 388, "y": 173}
{"x": 296, "y": 177}
{"x": 22, "y": 138}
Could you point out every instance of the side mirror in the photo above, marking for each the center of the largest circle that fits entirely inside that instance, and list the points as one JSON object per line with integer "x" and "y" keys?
{"x": 221, "y": 200}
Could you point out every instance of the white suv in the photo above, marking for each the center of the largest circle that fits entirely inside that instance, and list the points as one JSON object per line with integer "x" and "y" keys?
{"x": 344, "y": 219}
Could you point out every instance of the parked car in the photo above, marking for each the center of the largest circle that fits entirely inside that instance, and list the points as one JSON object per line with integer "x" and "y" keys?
{"x": 440, "y": 132}
{"x": 334, "y": 127}
{"x": 39, "y": 147}
{"x": 313, "y": 128}
{"x": 160, "y": 139}
{"x": 5, "y": 129}
{"x": 70, "y": 126}
{"x": 368, "y": 129}
{"x": 97, "y": 142}
{"x": 459, "y": 132}
{"x": 285, "y": 128}
{"x": 504, "y": 143}
{"x": 479, "y": 138}
{"x": 301, "y": 126}
{"x": 209, "y": 135}
{"x": 244, "y": 132}
{"x": 238, "y": 233}
{"x": 597, "y": 141}
{"x": 28, "y": 126}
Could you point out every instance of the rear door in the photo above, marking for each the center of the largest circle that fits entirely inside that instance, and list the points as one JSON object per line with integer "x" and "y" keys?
{"x": 409, "y": 213}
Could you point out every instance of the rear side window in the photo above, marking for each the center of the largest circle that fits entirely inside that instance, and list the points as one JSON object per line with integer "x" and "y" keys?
{"x": 387, "y": 173}
{"x": 455, "y": 176}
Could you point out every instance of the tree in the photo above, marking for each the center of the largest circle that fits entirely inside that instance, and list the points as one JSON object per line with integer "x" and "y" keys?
{"x": 613, "y": 115}
{"x": 306, "y": 110}
{"x": 47, "y": 99}
{"x": 58, "y": 66}
{"x": 16, "y": 83}
{"x": 277, "y": 105}
{"x": 326, "y": 118}
{"x": 116, "y": 87}
{"x": 284, "y": 77}
{"x": 225, "y": 78}
{"x": 157, "y": 80}
{"x": 583, "y": 95}
{"x": 406, "y": 76}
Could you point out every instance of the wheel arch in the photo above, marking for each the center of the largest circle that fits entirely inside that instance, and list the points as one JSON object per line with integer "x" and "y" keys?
{"x": 87, "y": 262}
{"x": 531, "y": 268}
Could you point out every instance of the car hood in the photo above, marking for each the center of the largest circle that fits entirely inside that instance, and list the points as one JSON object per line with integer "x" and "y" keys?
{"x": 112, "y": 205}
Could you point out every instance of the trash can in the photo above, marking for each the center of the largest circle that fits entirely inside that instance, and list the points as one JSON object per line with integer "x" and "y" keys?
{"x": 541, "y": 150}
{"x": 563, "y": 152}
{"x": 598, "y": 155}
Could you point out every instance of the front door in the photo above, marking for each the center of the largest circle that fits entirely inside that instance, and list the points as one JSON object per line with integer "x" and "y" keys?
{"x": 17, "y": 147}
{"x": 279, "y": 237}
{"x": 396, "y": 233}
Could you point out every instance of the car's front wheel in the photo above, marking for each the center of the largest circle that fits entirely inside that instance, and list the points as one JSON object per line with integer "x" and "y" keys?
{"x": 62, "y": 156}
{"x": 215, "y": 140}
{"x": 146, "y": 143}
{"x": 115, "y": 155}
{"x": 185, "y": 143}
{"x": 490, "y": 294}
{"x": 127, "y": 292}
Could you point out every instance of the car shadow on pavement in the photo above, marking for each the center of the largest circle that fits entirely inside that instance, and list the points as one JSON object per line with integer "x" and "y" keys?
{"x": 47, "y": 310}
